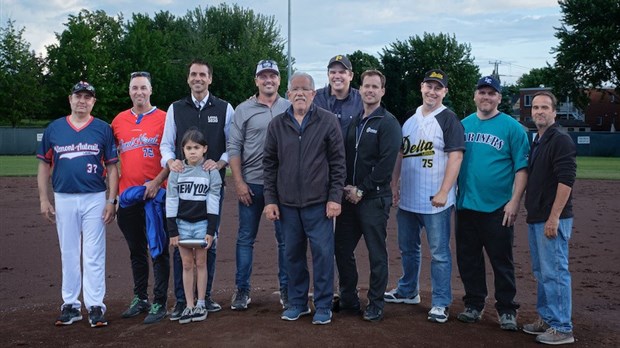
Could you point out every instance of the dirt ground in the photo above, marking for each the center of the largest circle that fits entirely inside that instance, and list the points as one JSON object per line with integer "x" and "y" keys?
{"x": 30, "y": 289}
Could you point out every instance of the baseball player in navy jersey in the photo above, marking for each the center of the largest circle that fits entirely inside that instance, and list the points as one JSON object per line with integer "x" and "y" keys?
{"x": 427, "y": 169}
{"x": 81, "y": 150}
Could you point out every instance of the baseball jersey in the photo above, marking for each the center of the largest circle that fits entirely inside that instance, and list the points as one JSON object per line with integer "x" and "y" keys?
{"x": 137, "y": 139}
{"x": 78, "y": 156}
{"x": 427, "y": 140}
{"x": 495, "y": 149}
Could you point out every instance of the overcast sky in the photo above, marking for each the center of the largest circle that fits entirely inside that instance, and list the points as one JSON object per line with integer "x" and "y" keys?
{"x": 518, "y": 33}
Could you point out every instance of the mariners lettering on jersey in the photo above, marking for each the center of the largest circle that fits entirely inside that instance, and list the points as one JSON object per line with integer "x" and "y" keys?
{"x": 485, "y": 138}
{"x": 212, "y": 119}
{"x": 138, "y": 142}
{"x": 422, "y": 148}
{"x": 79, "y": 150}
{"x": 195, "y": 189}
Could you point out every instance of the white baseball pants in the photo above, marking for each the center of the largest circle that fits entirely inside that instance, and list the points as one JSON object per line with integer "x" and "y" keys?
{"x": 79, "y": 221}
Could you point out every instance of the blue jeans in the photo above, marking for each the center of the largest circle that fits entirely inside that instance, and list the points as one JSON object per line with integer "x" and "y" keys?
{"x": 177, "y": 264}
{"x": 550, "y": 267}
{"x": 438, "y": 235}
{"x": 249, "y": 219}
{"x": 300, "y": 226}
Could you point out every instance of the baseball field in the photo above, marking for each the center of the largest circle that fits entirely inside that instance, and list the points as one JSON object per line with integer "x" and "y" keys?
{"x": 30, "y": 288}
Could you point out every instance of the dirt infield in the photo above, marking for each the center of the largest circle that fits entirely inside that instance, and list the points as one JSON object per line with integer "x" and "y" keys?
{"x": 30, "y": 289}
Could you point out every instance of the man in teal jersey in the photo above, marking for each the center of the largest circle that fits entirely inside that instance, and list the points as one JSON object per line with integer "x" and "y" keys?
{"x": 490, "y": 186}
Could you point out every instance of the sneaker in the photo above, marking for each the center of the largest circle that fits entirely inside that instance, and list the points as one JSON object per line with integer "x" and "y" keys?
{"x": 157, "y": 313}
{"x": 438, "y": 314}
{"x": 553, "y": 336}
{"x": 177, "y": 311}
{"x": 136, "y": 307}
{"x": 294, "y": 312}
{"x": 508, "y": 322}
{"x": 470, "y": 315}
{"x": 211, "y": 305}
{"x": 322, "y": 316}
{"x": 240, "y": 300}
{"x": 373, "y": 313}
{"x": 394, "y": 297}
{"x": 186, "y": 316}
{"x": 68, "y": 315}
{"x": 536, "y": 328}
{"x": 199, "y": 313}
{"x": 96, "y": 318}
{"x": 283, "y": 298}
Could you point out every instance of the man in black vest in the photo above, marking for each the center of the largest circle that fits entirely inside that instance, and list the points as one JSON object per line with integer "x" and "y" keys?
{"x": 212, "y": 117}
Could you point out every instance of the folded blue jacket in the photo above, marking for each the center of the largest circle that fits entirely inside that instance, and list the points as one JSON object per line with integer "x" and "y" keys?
{"x": 154, "y": 213}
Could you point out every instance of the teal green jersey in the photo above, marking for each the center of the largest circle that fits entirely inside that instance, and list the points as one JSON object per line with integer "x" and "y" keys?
{"x": 495, "y": 149}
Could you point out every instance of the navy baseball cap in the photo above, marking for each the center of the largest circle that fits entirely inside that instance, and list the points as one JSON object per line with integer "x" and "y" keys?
{"x": 267, "y": 65}
{"x": 342, "y": 59}
{"x": 83, "y": 86}
{"x": 491, "y": 82}
{"x": 437, "y": 75}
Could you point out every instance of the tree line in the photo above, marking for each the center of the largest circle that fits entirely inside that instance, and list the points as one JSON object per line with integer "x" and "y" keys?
{"x": 105, "y": 49}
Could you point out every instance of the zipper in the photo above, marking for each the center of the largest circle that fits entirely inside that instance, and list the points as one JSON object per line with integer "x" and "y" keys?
{"x": 358, "y": 138}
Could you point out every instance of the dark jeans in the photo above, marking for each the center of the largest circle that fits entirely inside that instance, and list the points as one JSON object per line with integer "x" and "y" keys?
{"x": 300, "y": 226}
{"x": 131, "y": 221}
{"x": 179, "y": 293}
{"x": 476, "y": 231}
{"x": 368, "y": 218}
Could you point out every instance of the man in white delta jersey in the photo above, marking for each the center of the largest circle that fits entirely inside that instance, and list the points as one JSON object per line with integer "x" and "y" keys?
{"x": 426, "y": 173}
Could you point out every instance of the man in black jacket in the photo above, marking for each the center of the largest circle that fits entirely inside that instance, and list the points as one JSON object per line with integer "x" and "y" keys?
{"x": 552, "y": 170}
{"x": 304, "y": 171}
{"x": 372, "y": 145}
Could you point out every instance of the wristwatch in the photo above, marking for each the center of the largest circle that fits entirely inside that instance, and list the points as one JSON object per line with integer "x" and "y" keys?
{"x": 359, "y": 193}
{"x": 112, "y": 201}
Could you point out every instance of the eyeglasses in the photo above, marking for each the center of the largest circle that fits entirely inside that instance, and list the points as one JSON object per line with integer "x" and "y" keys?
{"x": 140, "y": 74}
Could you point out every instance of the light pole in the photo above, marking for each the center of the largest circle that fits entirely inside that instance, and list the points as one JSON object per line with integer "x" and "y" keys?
{"x": 290, "y": 68}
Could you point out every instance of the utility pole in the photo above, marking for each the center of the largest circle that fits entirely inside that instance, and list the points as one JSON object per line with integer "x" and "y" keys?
{"x": 290, "y": 68}
{"x": 495, "y": 73}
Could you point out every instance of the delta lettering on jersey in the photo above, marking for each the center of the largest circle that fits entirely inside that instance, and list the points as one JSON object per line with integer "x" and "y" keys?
{"x": 422, "y": 148}
{"x": 485, "y": 138}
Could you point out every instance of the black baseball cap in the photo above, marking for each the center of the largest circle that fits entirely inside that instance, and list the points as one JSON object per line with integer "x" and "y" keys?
{"x": 342, "y": 59}
{"x": 83, "y": 86}
{"x": 491, "y": 82}
{"x": 437, "y": 75}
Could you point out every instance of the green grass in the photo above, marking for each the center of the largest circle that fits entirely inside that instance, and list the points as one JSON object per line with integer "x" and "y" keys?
{"x": 25, "y": 166}
{"x": 606, "y": 168}
{"x": 18, "y": 165}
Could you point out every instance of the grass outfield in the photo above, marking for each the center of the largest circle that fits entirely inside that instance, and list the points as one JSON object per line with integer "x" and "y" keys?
{"x": 605, "y": 168}
{"x": 24, "y": 166}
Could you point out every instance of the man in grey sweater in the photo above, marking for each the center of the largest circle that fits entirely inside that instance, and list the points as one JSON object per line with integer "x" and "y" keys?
{"x": 245, "y": 150}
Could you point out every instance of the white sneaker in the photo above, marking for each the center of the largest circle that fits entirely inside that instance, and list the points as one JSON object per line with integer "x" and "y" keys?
{"x": 438, "y": 314}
